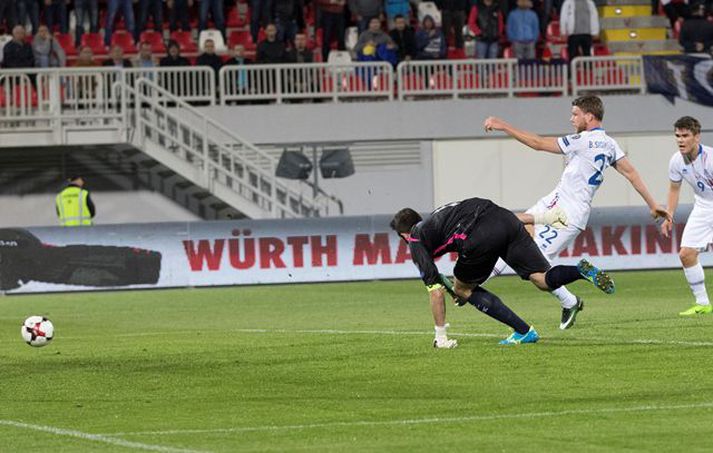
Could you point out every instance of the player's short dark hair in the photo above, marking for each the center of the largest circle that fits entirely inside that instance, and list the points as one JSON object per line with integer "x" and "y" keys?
{"x": 688, "y": 123}
{"x": 404, "y": 220}
{"x": 590, "y": 104}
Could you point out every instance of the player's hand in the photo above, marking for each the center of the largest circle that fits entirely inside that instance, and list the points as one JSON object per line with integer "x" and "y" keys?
{"x": 444, "y": 343}
{"x": 448, "y": 287}
{"x": 493, "y": 123}
{"x": 666, "y": 228}
{"x": 556, "y": 217}
{"x": 660, "y": 213}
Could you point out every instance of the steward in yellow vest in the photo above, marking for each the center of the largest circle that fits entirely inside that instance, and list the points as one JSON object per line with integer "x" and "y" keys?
{"x": 74, "y": 206}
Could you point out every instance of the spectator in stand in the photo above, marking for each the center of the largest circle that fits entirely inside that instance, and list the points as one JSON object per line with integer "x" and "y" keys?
{"x": 299, "y": 53}
{"x": 523, "y": 29}
{"x": 48, "y": 52}
{"x": 394, "y": 9}
{"x": 261, "y": 14}
{"x": 173, "y": 56}
{"x": 209, "y": 58}
{"x": 286, "y": 19}
{"x": 371, "y": 39}
{"x": 86, "y": 58}
{"x": 7, "y": 14}
{"x": 270, "y": 50}
{"x": 453, "y": 17}
{"x": 430, "y": 41}
{"x": 404, "y": 37}
{"x": 216, "y": 10}
{"x": 113, "y": 7}
{"x": 364, "y": 10}
{"x": 675, "y": 9}
{"x": 178, "y": 11}
{"x": 145, "y": 57}
{"x": 486, "y": 22}
{"x": 696, "y": 32}
{"x": 241, "y": 75}
{"x": 84, "y": 9}
{"x": 18, "y": 53}
{"x": 28, "y": 9}
{"x": 56, "y": 14}
{"x": 546, "y": 14}
{"x": 116, "y": 58}
{"x": 332, "y": 12}
{"x": 155, "y": 7}
{"x": 579, "y": 22}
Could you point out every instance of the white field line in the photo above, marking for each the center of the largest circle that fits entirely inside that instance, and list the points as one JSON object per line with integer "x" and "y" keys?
{"x": 105, "y": 439}
{"x": 421, "y": 333}
{"x": 421, "y": 421}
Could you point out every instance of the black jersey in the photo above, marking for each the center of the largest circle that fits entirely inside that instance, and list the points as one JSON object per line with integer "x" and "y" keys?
{"x": 445, "y": 230}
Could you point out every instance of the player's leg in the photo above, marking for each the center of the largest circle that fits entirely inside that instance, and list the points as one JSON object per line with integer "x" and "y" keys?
{"x": 697, "y": 235}
{"x": 468, "y": 277}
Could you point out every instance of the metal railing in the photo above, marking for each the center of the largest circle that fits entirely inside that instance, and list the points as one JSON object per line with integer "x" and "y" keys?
{"x": 610, "y": 73}
{"x": 372, "y": 80}
{"x": 216, "y": 158}
{"x": 460, "y": 78}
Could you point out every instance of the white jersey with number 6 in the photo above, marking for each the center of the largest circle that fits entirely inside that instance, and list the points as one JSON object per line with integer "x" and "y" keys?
{"x": 587, "y": 155}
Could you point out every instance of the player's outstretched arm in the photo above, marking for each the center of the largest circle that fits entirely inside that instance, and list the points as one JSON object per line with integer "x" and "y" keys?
{"x": 674, "y": 192}
{"x": 534, "y": 141}
{"x": 627, "y": 170}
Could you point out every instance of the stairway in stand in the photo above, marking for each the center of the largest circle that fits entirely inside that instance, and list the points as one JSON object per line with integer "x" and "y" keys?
{"x": 628, "y": 28}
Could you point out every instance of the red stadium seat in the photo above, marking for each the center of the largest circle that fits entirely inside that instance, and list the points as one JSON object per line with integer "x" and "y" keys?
{"x": 601, "y": 50}
{"x": 155, "y": 39}
{"x": 553, "y": 34}
{"x": 455, "y": 54}
{"x": 124, "y": 40}
{"x": 241, "y": 37}
{"x": 234, "y": 20}
{"x": 96, "y": 42}
{"x": 66, "y": 40}
{"x": 185, "y": 41}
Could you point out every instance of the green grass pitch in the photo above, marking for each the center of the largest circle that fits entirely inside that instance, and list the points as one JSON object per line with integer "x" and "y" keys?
{"x": 350, "y": 367}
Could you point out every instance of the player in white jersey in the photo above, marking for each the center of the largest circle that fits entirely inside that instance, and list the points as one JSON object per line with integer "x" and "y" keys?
{"x": 588, "y": 152}
{"x": 692, "y": 163}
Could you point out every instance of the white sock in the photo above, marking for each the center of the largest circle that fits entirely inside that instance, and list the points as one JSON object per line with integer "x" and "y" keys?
{"x": 697, "y": 281}
{"x": 567, "y": 299}
{"x": 498, "y": 269}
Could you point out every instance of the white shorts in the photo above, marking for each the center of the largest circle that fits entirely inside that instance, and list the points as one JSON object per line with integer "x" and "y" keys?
{"x": 550, "y": 240}
{"x": 698, "y": 233}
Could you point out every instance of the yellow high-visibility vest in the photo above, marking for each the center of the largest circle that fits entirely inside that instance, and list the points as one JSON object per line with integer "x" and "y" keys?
{"x": 72, "y": 207}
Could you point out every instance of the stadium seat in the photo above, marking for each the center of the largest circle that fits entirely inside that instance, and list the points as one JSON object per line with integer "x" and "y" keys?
{"x": 124, "y": 40}
{"x": 66, "y": 40}
{"x": 429, "y": 9}
{"x": 185, "y": 41}
{"x": 553, "y": 34}
{"x": 455, "y": 54}
{"x": 155, "y": 39}
{"x": 96, "y": 42}
{"x": 217, "y": 38}
{"x": 339, "y": 57}
{"x": 241, "y": 37}
{"x": 600, "y": 50}
{"x": 234, "y": 19}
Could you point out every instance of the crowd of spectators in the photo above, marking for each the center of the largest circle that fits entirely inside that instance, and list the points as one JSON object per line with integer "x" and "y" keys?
{"x": 388, "y": 30}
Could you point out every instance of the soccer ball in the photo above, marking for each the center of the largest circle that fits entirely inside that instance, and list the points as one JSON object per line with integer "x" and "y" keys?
{"x": 37, "y": 331}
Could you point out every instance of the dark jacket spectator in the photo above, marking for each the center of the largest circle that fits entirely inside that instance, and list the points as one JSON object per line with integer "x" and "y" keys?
{"x": 18, "y": 53}
{"x": 271, "y": 51}
{"x": 117, "y": 60}
{"x": 287, "y": 18}
{"x": 430, "y": 41}
{"x": 332, "y": 12}
{"x": 300, "y": 53}
{"x": 696, "y": 32}
{"x": 487, "y": 24}
{"x": 453, "y": 18}
{"x": 404, "y": 37}
{"x": 173, "y": 56}
{"x": 364, "y": 10}
{"x": 209, "y": 58}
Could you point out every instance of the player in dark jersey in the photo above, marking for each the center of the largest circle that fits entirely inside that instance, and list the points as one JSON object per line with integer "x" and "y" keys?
{"x": 481, "y": 232}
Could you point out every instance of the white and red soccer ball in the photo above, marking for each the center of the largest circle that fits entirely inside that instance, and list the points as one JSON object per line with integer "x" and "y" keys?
{"x": 37, "y": 331}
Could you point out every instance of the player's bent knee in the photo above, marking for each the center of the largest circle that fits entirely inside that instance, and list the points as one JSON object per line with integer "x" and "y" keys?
{"x": 538, "y": 279}
{"x": 463, "y": 290}
{"x": 688, "y": 256}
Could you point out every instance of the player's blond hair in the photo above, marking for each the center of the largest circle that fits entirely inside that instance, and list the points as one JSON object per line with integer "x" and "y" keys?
{"x": 689, "y": 123}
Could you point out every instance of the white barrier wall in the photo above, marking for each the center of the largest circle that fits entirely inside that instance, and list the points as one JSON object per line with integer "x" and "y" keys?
{"x": 514, "y": 176}
{"x": 288, "y": 251}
